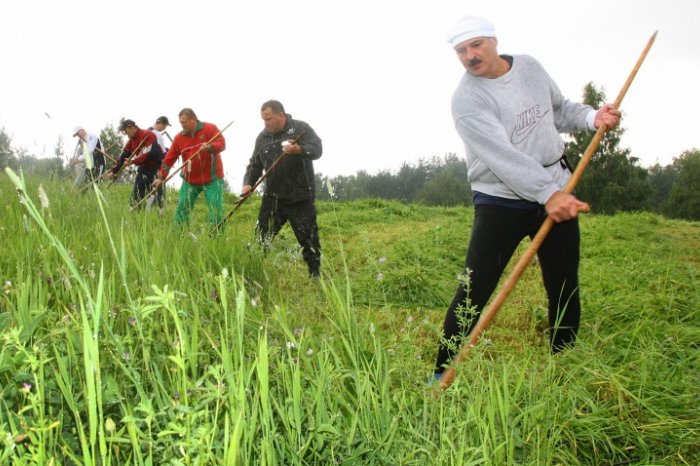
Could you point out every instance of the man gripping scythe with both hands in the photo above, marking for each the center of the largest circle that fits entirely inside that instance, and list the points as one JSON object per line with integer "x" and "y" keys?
{"x": 509, "y": 113}
{"x": 285, "y": 150}
{"x": 143, "y": 151}
{"x": 199, "y": 145}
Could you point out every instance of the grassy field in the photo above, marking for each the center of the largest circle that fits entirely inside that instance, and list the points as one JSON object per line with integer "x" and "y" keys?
{"x": 125, "y": 341}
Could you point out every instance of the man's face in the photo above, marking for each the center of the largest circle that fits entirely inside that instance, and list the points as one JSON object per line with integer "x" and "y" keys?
{"x": 130, "y": 131}
{"x": 189, "y": 124}
{"x": 81, "y": 134}
{"x": 274, "y": 122}
{"x": 480, "y": 57}
{"x": 159, "y": 126}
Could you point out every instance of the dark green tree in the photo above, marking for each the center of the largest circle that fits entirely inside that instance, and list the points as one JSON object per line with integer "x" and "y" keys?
{"x": 447, "y": 184}
{"x": 410, "y": 180}
{"x": 661, "y": 179}
{"x": 112, "y": 142}
{"x": 613, "y": 180}
{"x": 60, "y": 170}
{"x": 322, "y": 193}
{"x": 7, "y": 157}
{"x": 684, "y": 198}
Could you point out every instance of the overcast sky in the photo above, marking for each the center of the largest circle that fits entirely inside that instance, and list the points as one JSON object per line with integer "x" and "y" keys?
{"x": 373, "y": 78}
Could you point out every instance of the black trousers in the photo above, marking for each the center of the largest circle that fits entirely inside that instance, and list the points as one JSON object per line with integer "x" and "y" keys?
{"x": 274, "y": 213}
{"x": 142, "y": 185}
{"x": 99, "y": 168}
{"x": 496, "y": 233}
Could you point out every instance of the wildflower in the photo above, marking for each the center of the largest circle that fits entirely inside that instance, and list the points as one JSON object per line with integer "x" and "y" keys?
{"x": 43, "y": 197}
{"x": 291, "y": 345}
{"x": 110, "y": 426}
{"x": 224, "y": 272}
{"x": 464, "y": 276}
{"x": 382, "y": 259}
{"x": 309, "y": 352}
{"x": 380, "y": 276}
{"x": 409, "y": 319}
{"x": 298, "y": 330}
{"x": 132, "y": 321}
{"x": 26, "y": 387}
{"x": 126, "y": 356}
{"x": 7, "y": 286}
{"x": 372, "y": 328}
{"x": 254, "y": 302}
{"x": 331, "y": 191}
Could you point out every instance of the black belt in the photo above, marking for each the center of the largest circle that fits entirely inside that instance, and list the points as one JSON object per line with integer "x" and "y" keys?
{"x": 563, "y": 162}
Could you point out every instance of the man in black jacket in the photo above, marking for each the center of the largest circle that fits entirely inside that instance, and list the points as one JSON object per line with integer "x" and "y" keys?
{"x": 289, "y": 188}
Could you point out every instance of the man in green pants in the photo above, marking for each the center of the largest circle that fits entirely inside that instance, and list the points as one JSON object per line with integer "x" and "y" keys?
{"x": 200, "y": 146}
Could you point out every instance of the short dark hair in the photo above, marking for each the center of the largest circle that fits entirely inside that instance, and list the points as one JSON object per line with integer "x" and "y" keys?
{"x": 187, "y": 112}
{"x": 126, "y": 123}
{"x": 274, "y": 105}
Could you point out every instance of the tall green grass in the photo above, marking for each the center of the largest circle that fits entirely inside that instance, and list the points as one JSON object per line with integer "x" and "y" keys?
{"x": 125, "y": 340}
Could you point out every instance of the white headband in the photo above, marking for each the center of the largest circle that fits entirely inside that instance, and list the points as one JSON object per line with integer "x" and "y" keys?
{"x": 470, "y": 27}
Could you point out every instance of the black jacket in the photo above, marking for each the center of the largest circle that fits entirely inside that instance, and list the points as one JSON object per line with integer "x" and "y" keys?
{"x": 293, "y": 178}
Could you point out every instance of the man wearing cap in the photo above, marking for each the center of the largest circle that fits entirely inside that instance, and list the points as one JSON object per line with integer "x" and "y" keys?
{"x": 88, "y": 161}
{"x": 200, "y": 146}
{"x": 509, "y": 113}
{"x": 143, "y": 151}
{"x": 160, "y": 127}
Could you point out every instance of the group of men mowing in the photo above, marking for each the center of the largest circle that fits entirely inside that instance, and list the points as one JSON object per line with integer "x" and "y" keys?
{"x": 289, "y": 194}
{"x": 508, "y": 112}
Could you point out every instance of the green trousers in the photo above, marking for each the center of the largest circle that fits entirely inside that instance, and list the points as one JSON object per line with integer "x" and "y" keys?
{"x": 213, "y": 194}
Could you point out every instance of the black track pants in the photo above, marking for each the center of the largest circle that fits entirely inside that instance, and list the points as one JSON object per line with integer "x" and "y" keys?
{"x": 496, "y": 233}
{"x": 301, "y": 215}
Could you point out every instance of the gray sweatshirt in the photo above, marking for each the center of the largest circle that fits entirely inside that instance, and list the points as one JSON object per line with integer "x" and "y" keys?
{"x": 510, "y": 126}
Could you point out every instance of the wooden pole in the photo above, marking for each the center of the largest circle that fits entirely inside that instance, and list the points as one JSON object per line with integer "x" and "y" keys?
{"x": 488, "y": 316}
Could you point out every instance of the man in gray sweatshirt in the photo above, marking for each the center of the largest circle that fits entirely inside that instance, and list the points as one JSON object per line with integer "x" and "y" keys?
{"x": 509, "y": 113}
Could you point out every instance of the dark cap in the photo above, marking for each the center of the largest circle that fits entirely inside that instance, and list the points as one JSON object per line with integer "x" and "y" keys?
{"x": 163, "y": 119}
{"x": 125, "y": 124}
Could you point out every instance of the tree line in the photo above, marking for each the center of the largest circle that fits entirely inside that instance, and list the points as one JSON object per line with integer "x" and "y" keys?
{"x": 614, "y": 180}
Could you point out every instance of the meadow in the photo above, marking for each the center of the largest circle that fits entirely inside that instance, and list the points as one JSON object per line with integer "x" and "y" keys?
{"x": 127, "y": 341}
